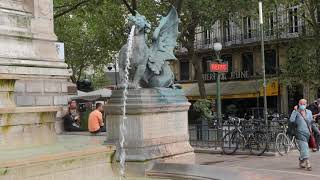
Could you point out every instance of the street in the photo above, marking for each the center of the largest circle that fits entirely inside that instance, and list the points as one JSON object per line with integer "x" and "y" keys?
{"x": 251, "y": 167}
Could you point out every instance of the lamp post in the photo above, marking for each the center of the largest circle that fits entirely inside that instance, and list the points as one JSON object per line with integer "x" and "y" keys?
{"x": 115, "y": 72}
{"x": 217, "y": 48}
{"x": 111, "y": 66}
{"x": 263, "y": 64}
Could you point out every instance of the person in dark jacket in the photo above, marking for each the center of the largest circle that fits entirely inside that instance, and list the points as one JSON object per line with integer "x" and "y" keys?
{"x": 71, "y": 119}
{"x": 315, "y": 109}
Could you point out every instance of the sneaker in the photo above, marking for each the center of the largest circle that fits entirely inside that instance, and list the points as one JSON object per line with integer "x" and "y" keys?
{"x": 308, "y": 165}
{"x": 302, "y": 164}
{"x": 75, "y": 125}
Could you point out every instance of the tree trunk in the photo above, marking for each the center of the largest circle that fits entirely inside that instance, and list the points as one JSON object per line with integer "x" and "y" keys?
{"x": 309, "y": 92}
{"x": 73, "y": 79}
{"x": 178, "y": 5}
{"x": 134, "y": 5}
{"x": 198, "y": 72}
{"x": 192, "y": 54}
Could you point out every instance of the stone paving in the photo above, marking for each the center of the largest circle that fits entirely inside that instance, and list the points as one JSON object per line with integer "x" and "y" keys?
{"x": 246, "y": 167}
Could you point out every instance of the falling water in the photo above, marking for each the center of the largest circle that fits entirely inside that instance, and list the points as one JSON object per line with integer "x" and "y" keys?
{"x": 125, "y": 93}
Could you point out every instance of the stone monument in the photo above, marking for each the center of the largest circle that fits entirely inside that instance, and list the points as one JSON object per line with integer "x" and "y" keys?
{"x": 33, "y": 80}
{"x": 156, "y": 110}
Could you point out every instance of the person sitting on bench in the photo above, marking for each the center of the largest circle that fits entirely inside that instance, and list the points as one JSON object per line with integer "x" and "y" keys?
{"x": 95, "y": 121}
{"x": 71, "y": 119}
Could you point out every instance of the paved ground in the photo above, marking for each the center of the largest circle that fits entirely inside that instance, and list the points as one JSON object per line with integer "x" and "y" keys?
{"x": 249, "y": 167}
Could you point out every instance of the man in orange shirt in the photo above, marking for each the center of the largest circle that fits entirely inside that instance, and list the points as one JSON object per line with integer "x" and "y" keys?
{"x": 95, "y": 122}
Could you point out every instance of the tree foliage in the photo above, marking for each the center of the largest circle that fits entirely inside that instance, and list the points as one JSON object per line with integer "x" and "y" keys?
{"x": 205, "y": 13}
{"x": 304, "y": 52}
{"x": 94, "y": 30}
{"x": 203, "y": 107}
{"x": 93, "y": 33}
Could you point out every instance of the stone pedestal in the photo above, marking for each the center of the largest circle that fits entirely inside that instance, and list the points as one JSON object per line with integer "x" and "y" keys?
{"x": 157, "y": 124}
{"x": 28, "y": 53}
{"x": 33, "y": 80}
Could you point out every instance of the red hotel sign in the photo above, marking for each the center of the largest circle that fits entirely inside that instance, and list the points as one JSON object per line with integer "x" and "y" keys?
{"x": 216, "y": 67}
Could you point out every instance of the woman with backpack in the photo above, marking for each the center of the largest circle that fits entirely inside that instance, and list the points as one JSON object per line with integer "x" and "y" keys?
{"x": 303, "y": 119}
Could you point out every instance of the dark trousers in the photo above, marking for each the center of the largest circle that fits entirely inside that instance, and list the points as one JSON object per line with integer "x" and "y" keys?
{"x": 316, "y": 134}
{"x": 101, "y": 129}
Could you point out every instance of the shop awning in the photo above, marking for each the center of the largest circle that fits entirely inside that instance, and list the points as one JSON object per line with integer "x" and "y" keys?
{"x": 232, "y": 89}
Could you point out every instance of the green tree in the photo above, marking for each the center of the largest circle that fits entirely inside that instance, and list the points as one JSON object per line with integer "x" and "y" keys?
{"x": 93, "y": 33}
{"x": 304, "y": 52}
{"x": 205, "y": 13}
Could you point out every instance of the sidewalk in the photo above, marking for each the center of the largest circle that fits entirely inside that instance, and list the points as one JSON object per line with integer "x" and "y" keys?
{"x": 242, "y": 167}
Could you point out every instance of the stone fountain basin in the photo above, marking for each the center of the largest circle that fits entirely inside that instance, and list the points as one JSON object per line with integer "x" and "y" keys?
{"x": 27, "y": 126}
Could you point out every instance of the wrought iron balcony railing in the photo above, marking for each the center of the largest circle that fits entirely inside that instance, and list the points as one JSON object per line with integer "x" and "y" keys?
{"x": 241, "y": 39}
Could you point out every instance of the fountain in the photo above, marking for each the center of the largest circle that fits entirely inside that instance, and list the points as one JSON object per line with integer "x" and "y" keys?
{"x": 125, "y": 93}
{"x": 33, "y": 88}
{"x": 150, "y": 109}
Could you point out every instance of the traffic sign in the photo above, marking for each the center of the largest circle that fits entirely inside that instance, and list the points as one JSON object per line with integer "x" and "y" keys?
{"x": 219, "y": 67}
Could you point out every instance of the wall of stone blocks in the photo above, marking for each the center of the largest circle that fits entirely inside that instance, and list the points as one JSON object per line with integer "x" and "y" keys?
{"x": 43, "y": 92}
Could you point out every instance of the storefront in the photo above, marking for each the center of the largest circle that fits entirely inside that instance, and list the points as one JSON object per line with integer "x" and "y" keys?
{"x": 239, "y": 97}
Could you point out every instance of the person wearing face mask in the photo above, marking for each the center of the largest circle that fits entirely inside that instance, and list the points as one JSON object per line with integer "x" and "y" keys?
{"x": 303, "y": 119}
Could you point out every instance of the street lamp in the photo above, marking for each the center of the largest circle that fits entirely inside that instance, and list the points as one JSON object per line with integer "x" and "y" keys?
{"x": 263, "y": 64}
{"x": 217, "y": 48}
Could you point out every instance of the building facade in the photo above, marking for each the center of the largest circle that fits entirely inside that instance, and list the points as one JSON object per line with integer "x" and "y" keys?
{"x": 242, "y": 86}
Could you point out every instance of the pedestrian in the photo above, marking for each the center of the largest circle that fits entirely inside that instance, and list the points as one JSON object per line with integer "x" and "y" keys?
{"x": 95, "y": 121}
{"x": 302, "y": 117}
{"x": 315, "y": 109}
{"x": 71, "y": 120}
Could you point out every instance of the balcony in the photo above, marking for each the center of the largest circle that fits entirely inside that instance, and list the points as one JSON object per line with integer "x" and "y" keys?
{"x": 239, "y": 38}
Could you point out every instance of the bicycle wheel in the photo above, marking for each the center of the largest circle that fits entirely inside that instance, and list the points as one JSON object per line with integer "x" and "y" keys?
{"x": 258, "y": 143}
{"x": 282, "y": 144}
{"x": 230, "y": 142}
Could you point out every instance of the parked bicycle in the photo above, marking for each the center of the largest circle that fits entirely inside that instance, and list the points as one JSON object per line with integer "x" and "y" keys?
{"x": 284, "y": 142}
{"x": 249, "y": 136}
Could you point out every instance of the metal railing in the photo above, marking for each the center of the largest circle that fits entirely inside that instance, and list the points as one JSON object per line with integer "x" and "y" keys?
{"x": 210, "y": 136}
{"x": 239, "y": 38}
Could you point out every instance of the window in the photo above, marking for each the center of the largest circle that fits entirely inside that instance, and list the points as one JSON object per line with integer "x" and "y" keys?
{"x": 228, "y": 58}
{"x": 247, "y": 63}
{"x": 226, "y": 31}
{"x": 293, "y": 20}
{"x": 270, "y": 25}
{"x": 206, "y": 36}
{"x": 184, "y": 70}
{"x": 247, "y": 28}
{"x": 271, "y": 61}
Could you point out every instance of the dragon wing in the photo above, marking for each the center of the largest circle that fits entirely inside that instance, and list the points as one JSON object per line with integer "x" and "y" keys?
{"x": 164, "y": 40}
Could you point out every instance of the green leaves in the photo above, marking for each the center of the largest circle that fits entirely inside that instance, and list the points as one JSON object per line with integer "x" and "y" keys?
{"x": 203, "y": 107}
{"x": 93, "y": 33}
{"x": 303, "y": 62}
